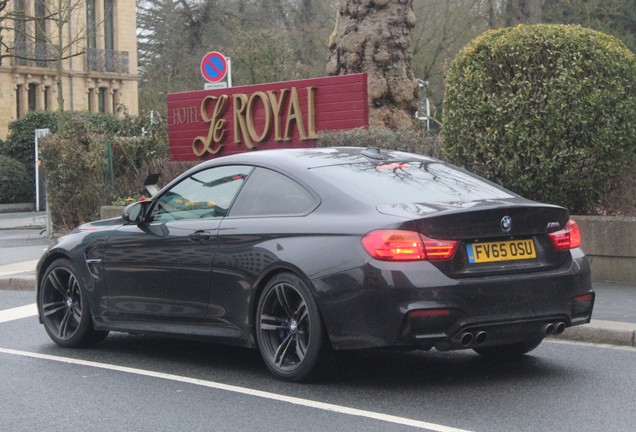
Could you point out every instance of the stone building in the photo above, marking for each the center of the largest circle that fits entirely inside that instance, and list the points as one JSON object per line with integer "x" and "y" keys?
{"x": 103, "y": 78}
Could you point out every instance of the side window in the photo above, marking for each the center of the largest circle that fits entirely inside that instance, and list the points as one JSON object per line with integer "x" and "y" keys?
{"x": 204, "y": 194}
{"x": 268, "y": 193}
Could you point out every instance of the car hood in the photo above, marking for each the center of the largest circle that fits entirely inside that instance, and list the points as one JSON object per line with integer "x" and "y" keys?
{"x": 100, "y": 225}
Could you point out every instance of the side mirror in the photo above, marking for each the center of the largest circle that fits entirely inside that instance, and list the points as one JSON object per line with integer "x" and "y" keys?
{"x": 135, "y": 212}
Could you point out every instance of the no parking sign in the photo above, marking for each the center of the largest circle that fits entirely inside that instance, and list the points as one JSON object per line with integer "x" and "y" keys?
{"x": 214, "y": 67}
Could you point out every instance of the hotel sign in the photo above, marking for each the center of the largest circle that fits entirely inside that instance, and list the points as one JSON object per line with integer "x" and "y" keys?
{"x": 209, "y": 123}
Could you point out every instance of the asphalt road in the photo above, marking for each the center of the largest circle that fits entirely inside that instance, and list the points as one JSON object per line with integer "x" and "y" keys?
{"x": 137, "y": 383}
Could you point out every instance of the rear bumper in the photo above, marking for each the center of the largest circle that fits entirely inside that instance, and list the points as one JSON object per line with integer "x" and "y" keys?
{"x": 379, "y": 305}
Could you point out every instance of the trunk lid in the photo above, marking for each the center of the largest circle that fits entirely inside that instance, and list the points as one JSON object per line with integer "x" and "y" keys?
{"x": 494, "y": 237}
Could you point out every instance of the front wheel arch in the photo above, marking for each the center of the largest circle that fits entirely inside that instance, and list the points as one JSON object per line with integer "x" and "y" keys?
{"x": 48, "y": 261}
{"x": 63, "y": 306}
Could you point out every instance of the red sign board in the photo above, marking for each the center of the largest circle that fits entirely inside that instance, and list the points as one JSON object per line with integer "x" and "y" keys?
{"x": 209, "y": 123}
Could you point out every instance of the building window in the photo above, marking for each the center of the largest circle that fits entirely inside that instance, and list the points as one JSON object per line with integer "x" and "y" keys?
{"x": 115, "y": 101}
{"x": 101, "y": 100}
{"x": 19, "y": 34}
{"x": 91, "y": 95}
{"x": 47, "y": 98}
{"x": 91, "y": 23}
{"x": 18, "y": 101}
{"x": 32, "y": 97}
{"x": 41, "y": 49}
{"x": 109, "y": 28}
{"x": 40, "y": 21}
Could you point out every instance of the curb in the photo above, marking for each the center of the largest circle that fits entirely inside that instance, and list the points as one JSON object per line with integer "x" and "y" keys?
{"x": 23, "y": 227}
{"x": 601, "y": 332}
{"x": 17, "y": 208}
{"x": 17, "y": 283}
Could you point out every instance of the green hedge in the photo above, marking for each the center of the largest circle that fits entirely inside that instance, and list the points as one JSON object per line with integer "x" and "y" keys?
{"x": 15, "y": 186}
{"x": 20, "y": 141}
{"x": 548, "y": 111}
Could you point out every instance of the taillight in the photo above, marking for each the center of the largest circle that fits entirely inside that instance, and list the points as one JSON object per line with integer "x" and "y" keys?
{"x": 428, "y": 313}
{"x": 398, "y": 245}
{"x": 567, "y": 238}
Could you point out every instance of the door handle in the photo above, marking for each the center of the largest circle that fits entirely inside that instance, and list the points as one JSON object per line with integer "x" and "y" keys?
{"x": 199, "y": 236}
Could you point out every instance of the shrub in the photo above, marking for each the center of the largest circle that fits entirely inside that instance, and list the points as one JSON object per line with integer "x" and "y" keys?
{"x": 75, "y": 166}
{"x": 14, "y": 181}
{"x": 547, "y": 110}
{"x": 20, "y": 143}
{"x": 408, "y": 140}
{"x": 76, "y": 161}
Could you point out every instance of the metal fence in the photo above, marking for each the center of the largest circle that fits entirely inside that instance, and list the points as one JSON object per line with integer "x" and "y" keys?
{"x": 31, "y": 54}
{"x": 104, "y": 60}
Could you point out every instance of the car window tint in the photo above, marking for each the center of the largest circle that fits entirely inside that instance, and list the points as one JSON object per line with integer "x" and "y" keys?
{"x": 205, "y": 194}
{"x": 410, "y": 182}
{"x": 268, "y": 193}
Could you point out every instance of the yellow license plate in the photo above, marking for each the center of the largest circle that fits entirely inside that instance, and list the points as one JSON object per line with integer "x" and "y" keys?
{"x": 509, "y": 250}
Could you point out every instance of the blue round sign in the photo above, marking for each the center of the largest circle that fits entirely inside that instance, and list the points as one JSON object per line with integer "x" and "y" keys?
{"x": 213, "y": 66}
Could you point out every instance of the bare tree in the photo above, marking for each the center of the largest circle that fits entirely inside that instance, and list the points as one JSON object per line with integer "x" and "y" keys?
{"x": 374, "y": 36}
{"x": 615, "y": 17}
{"x": 49, "y": 32}
{"x": 3, "y": 19}
{"x": 524, "y": 12}
{"x": 61, "y": 13}
{"x": 12, "y": 19}
{"x": 441, "y": 30}
{"x": 274, "y": 40}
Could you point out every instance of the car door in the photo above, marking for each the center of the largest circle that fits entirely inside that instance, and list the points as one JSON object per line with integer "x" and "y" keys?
{"x": 161, "y": 268}
{"x": 264, "y": 224}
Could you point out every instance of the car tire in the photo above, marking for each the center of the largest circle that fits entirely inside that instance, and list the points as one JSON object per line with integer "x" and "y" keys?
{"x": 509, "y": 351}
{"x": 289, "y": 331}
{"x": 64, "y": 307}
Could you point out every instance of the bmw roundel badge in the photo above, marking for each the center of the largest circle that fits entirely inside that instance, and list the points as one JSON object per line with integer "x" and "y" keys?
{"x": 506, "y": 223}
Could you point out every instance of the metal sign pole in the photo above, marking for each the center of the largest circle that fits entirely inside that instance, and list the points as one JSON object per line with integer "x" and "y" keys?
{"x": 39, "y": 133}
{"x": 229, "y": 71}
{"x": 37, "y": 175}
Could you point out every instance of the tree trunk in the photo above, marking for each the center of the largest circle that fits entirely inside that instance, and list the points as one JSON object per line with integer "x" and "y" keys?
{"x": 59, "y": 55}
{"x": 374, "y": 36}
{"x": 525, "y": 12}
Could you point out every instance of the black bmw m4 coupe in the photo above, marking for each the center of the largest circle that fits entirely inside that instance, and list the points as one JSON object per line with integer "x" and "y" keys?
{"x": 303, "y": 252}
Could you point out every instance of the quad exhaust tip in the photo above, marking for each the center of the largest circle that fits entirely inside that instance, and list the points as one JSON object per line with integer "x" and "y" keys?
{"x": 478, "y": 337}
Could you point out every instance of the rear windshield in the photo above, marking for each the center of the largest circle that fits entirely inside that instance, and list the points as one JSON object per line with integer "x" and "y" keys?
{"x": 410, "y": 182}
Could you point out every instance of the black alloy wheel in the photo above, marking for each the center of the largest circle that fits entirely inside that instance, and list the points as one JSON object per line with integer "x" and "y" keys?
{"x": 64, "y": 307}
{"x": 289, "y": 330}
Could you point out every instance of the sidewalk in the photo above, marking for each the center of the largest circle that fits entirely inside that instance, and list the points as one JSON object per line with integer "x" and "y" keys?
{"x": 23, "y": 220}
{"x": 22, "y": 244}
{"x": 22, "y": 241}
